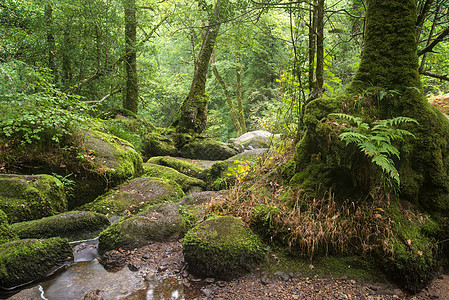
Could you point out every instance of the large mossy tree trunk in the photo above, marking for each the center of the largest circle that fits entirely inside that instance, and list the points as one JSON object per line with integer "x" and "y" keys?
{"x": 192, "y": 116}
{"x": 386, "y": 85}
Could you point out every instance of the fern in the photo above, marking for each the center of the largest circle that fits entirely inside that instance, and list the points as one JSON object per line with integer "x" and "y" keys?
{"x": 375, "y": 141}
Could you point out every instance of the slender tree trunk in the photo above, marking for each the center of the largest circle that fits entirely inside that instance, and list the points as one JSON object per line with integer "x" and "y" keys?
{"x": 312, "y": 45}
{"x": 232, "y": 110}
{"x": 239, "y": 93}
{"x": 320, "y": 49}
{"x": 192, "y": 116}
{"x": 131, "y": 92}
{"x": 51, "y": 42}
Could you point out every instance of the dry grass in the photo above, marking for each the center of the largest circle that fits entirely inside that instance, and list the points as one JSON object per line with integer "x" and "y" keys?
{"x": 310, "y": 225}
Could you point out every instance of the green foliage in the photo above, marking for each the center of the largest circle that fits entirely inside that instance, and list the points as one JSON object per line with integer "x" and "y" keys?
{"x": 40, "y": 114}
{"x": 375, "y": 141}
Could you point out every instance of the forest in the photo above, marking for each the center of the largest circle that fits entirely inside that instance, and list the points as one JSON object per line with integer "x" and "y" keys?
{"x": 298, "y": 130}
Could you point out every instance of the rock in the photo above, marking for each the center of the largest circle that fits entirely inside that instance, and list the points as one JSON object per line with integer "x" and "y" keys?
{"x": 133, "y": 267}
{"x": 113, "y": 260}
{"x": 222, "y": 248}
{"x": 114, "y": 161}
{"x": 76, "y": 225}
{"x": 131, "y": 196}
{"x": 94, "y": 295}
{"x": 85, "y": 252}
{"x": 159, "y": 223}
{"x": 179, "y": 164}
{"x": 202, "y": 197}
{"x": 187, "y": 183}
{"x": 6, "y": 233}
{"x": 24, "y": 261}
{"x": 254, "y": 140}
{"x": 30, "y": 197}
{"x": 282, "y": 275}
{"x": 207, "y": 150}
{"x": 159, "y": 145}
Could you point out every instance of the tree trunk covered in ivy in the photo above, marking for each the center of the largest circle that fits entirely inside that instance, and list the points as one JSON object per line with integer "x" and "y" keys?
{"x": 131, "y": 92}
{"x": 192, "y": 116}
{"x": 386, "y": 85}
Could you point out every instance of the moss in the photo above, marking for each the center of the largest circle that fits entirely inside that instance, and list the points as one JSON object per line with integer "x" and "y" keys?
{"x": 186, "y": 182}
{"x": 159, "y": 145}
{"x": 130, "y": 197}
{"x": 192, "y": 116}
{"x": 222, "y": 248}
{"x": 159, "y": 223}
{"x": 29, "y": 197}
{"x": 411, "y": 256}
{"x": 6, "y": 234}
{"x": 24, "y": 261}
{"x": 76, "y": 225}
{"x": 207, "y": 150}
{"x": 180, "y": 165}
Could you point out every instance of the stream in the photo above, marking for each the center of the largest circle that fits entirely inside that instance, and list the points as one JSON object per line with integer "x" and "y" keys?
{"x": 87, "y": 274}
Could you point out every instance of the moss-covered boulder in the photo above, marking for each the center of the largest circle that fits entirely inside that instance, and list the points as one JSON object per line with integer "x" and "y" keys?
{"x": 196, "y": 204}
{"x": 114, "y": 161}
{"x": 187, "y": 183}
{"x": 24, "y": 261}
{"x": 181, "y": 165}
{"x": 6, "y": 234}
{"x": 159, "y": 223}
{"x": 76, "y": 225}
{"x": 30, "y": 197}
{"x": 131, "y": 196}
{"x": 222, "y": 248}
{"x": 207, "y": 149}
{"x": 254, "y": 140}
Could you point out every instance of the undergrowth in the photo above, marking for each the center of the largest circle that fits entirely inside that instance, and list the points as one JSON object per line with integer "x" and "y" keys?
{"x": 311, "y": 226}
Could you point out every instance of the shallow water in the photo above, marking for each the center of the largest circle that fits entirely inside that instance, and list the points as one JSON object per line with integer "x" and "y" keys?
{"x": 88, "y": 274}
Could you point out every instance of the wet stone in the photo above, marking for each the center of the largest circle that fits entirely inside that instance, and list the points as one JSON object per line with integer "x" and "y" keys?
{"x": 113, "y": 260}
{"x": 133, "y": 267}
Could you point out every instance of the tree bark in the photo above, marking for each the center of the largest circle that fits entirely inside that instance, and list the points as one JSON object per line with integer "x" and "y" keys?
{"x": 131, "y": 92}
{"x": 51, "y": 42}
{"x": 192, "y": 116}
{"x": 239, "y": 93}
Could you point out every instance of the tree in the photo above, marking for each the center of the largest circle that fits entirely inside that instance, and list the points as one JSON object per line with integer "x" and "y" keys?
{"x": 131, "y": 93}
{"x": 192, "y": 116}
{"x": 387, "y": 85}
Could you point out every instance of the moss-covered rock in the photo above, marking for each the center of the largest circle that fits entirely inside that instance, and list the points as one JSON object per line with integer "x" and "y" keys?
{"x": 207, "y": 149}
{"x": 6, "y": 234}
{"x": 76, "y": 225}
{"x": 30, "y": 197}
{"x": 221, "y": 248}
{"x": 187, "y": 183}
{"x": 195, "y": 205}
{"x": 159, "y": 223}
{"x": 24, "y": 261}
{"x": 160, "y": 145}
{"x": 131, "y": 196}
{"x": 181, "y": 165}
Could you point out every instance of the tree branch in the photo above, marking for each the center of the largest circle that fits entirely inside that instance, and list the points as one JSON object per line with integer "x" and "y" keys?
{"x": 439, "y": 38}
{"x": 435, "y": 75}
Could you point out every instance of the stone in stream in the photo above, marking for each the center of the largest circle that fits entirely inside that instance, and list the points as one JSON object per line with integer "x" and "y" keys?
{"x": 75, "y": 225}
{"x": 159, "y": 223}
{"x": 24, "y": 261}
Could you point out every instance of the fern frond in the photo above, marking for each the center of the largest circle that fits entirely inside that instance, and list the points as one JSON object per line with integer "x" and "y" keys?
{"x": 352, "y": 137}
{"x": 387, "y": 167}
{"x": 350, "y": 118}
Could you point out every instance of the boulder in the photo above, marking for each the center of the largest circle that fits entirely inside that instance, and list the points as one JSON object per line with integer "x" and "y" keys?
{"x": 75, "y": 225}
{"x": 30, "y": 197}
{"x": 24, "y": 261}
{"x": 6, "y": 234}
{"x": 159, "y": 223}
{"x": 206, "y": 149}
{"x": 113, "y": 161}
{"x": 200, "y": 198}
{"x": 254, "y": 140}
{"x": 130, "y": 197}
{"x": 187, "y": 183}
{"x": 222, "y": 248}
{"x": 179, "y": 164}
